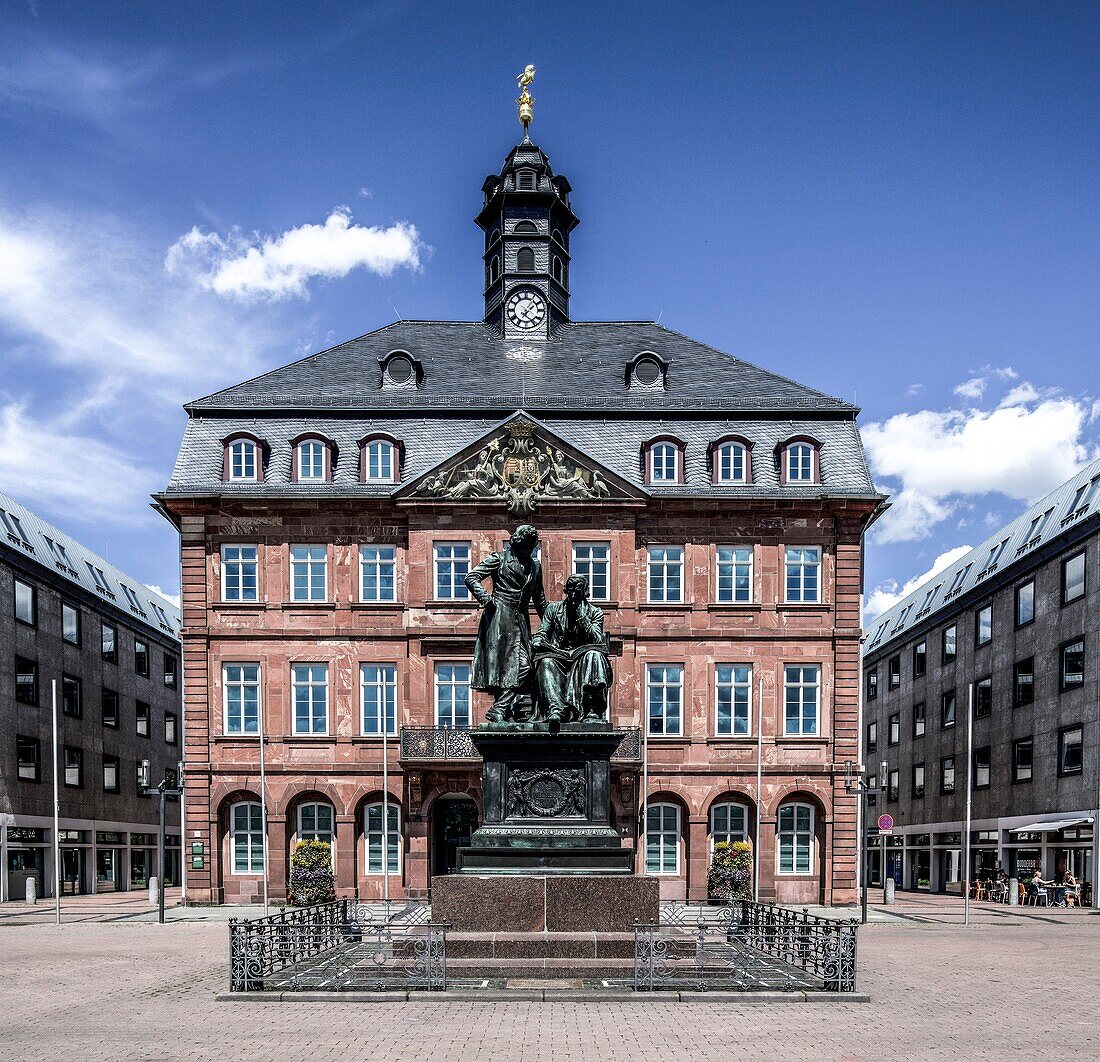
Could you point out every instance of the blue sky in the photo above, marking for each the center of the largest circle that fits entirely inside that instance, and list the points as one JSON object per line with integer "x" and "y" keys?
{"x": 895, "y": 203}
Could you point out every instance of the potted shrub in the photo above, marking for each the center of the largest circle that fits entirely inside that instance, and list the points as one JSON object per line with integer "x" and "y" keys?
{"x": 730, "y": 876}
{"x": 311, "y": 877}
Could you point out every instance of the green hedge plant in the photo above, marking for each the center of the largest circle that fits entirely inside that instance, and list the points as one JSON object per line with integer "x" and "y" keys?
{"x": 311, "y": 877}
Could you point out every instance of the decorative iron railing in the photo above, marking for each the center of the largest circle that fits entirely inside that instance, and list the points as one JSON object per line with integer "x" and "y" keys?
{"x": 339, "y": 946}
{"x": 745, "y": 947}
{"x": 433, "y": 743}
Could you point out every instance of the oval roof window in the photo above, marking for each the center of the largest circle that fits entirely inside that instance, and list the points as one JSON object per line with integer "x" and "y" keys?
{"x": 400, "y": 369}
{"x": 647, "y": 372}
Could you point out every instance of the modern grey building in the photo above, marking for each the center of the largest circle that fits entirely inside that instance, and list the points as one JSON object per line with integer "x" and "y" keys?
{"x": 111, "y": 646}
{"x": 1011, "y": 630}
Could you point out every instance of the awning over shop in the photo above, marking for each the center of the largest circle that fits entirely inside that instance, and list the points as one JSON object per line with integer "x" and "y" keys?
{"x": 1049, "y": 827}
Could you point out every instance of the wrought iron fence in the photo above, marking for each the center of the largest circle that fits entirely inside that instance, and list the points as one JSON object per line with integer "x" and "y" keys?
{"x": 420, "y": 743}
{"x": 744, "y": 947}
{"x": 339, "y": 946}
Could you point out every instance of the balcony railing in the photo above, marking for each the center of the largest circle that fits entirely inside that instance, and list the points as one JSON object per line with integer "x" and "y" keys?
{"x": 436, "y": 744}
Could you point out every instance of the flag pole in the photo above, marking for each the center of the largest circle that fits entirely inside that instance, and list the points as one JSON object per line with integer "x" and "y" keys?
{"x": 56, "y": 813}
{"x": 969, "y": 795}
{"x": 759, "y": 788}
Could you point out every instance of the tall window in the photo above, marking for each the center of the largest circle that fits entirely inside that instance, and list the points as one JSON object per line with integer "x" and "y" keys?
{"x": 1025, "y": 604}
{"x": 983, "y": 697}
{"x": 664, "y": 463}
{"x": 803, "y": 573}
{"x": 72, "y": 696}
{"x": 731, "y": 463}
{"x": 246, "y": 837}
{"x": 734, "y": 699}
{"x": 243, "y": 460}
{"x": 379, "y": 461}
{"x": 893, "y": 786}
{"x": 664, "y": 697}
{"x": 801, "y": 688}
{"x": 109, "y": 643}
{"x": 947, "y": 774}
{"x": 308, "y": 573}
{"x": 593, "y": 561}
{"x": 920, "y": 659}
{"x": 452, "y": 565}
{"x": 241, "y": 691}
{"x": 872, "y": 736}
{"x": 317, "y": 822}
{"x": 947, "y": 709}
{"x": 1023, "y": 752}
{"x": 141, "y": 657}
{"x": 109, "y": 705}
{"x": 26, "y": 603}
{"x": 141, "y": 718}
{"x": 1070, "y": 742}
{"x": 729, "y": 823}
{"x": 666, "y": 573}
{"x": 311, "y": 460}
{"x": 795, "y": 826}
{"x": 240, "y": 568}
{"x": 310, "y": 685}
{"x": 918, "y": 781}
{"x": 171, "y": 728}
{"x": 734, "y": 574}
{"x": 983, "y": 625}
{"x": 378, "y": 697}
{"x": 981, "y": 768}
{"x": 26, "y": 680}
{"x": 110, "y": 774}
{"x": 70, "y": 623}
{"x": 171, "y": 670}
{"x": 893, "y": 735}
{"x": 662, "y": 839}
{"x": 375, "y": 840}
{"x": 73, "y": 767}
{"x": 872, "y": 684}
{"x": 27, "y": 752}
{"x": 1072, "y": 673}
{"x": 452, "y": 696}
{"x": 919, "y": 720}
{"x": 949, "y": 640}
{"x": 1023, "y": 682}
{"x": 377, "y": 573}
{"x": 1073, "y": 578}
{"x": 800, "y": 463}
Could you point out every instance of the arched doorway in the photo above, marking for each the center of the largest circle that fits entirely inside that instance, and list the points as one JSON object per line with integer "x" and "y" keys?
{"x": 454, "y": 819}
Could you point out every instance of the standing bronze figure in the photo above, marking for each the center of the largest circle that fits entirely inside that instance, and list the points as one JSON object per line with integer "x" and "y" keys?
{"x": 502, "y": 655}
{"x": 571, "y": 658}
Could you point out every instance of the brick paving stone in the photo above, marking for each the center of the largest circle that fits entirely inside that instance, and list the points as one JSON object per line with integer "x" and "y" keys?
{"x": 1005, "y": 988}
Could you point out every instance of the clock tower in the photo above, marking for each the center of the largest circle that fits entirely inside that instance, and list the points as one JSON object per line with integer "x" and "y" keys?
{"x": 527, "y": 223}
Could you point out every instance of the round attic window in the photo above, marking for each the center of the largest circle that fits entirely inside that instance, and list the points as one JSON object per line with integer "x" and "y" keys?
{"x": 647, "y": 372}
{"x": 399, "y": 370}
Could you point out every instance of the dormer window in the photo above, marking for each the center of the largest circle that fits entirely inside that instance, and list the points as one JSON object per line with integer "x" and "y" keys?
{"x": 381, "y": 460}
{"x": 244, "y": 459}
{"x": 525, "y": 260}
{"x": 401, "y": 369}
{"x": 799, "y": 461}
{"x": 313, "y": 460}
{"x": 525, "y": 226}
{"x": 525, "y": 180}
{"x": 664, "y": 461}
{"x": 647, "y": 371}
{"x": 732, "y": 463}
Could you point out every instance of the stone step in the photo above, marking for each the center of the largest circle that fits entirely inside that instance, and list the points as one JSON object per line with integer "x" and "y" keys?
{"x": 540, "y": 945}
{"x": 553, "y": 969}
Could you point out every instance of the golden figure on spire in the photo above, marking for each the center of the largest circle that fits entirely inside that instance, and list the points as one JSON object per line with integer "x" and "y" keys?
{"x": 526, "y": 101}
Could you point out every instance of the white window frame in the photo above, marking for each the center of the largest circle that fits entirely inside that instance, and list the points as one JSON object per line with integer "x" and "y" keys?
{"x": 725, "y": 455}
{"x": 239, "y": 562}
{"x": 586, "y": 565}
{"x": 457, "y": 585}
{"x": 384, "y": 685}
{"x": 315, "y": 834}
{"x": 797, "y": 464}
{"x": 802, "y": 840}
{"x": 312, "y": 466}
{"x": 439, "y": 684}
{"x": 378, "y": 454}
{"x": 739, "y": 562}
{"x": 666, "y": 686}
{"x": 313, "y": 559}
{"x": 372, "y": 556}
{"x": 739, "y": 684}
{"x": 659, "y": 562}
{"x": 659, "y": 453}
{"x": 235, "y": 676}
{"x": 805, "y": 559}
{"x": 242, "y": 449}
{"x": 802, "y": 685}
{"x": 311, "y": 685}
{"x": 725, "y": 834}
{"x": 373, "y": 838}
{"x": 667, "y": 827}
{"x": 252, "y": 838}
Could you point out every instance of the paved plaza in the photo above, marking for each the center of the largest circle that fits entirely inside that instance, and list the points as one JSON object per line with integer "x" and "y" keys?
{"x": 111, "y": 984}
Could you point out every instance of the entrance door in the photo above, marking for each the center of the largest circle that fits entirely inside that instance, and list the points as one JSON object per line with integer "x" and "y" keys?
{"x": 454, "y": 820}
{"x": 72, "y": 871}
{"x": 108, "y": 870}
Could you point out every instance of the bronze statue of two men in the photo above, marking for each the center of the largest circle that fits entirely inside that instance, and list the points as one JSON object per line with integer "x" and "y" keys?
{"x": 562, "y": 673}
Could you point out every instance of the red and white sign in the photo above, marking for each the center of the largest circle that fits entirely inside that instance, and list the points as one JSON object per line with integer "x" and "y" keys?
{"x": 885, "y": 823}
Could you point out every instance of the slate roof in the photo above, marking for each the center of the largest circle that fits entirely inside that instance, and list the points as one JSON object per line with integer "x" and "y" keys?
{"x": 468, "y": 366}
{"x": 1056, "y": 515}
{"x": 27, "y": 534}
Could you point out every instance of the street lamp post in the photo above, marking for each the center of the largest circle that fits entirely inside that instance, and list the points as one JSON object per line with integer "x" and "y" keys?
{"x": 864, "y": 791}
{"x": 163, "y": 790}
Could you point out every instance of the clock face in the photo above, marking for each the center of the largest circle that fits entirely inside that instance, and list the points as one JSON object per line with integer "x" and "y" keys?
{"x": 525, "y": 310}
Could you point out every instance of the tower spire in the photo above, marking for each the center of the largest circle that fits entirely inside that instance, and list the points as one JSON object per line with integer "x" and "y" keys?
{"x": 526, "y": 102}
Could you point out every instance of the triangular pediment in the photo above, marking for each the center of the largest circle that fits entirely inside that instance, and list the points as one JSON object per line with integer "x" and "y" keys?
{"x": 522, "y": 465}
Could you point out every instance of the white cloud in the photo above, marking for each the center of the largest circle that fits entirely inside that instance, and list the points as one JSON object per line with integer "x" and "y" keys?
{"x": 974, "y": 388}
{"x": 174, "y": 598}
{"x": 915, "y": 389}
{"x": 887, "y": 595}
{"x": 940, "y": 456}
{"x": 279, "y": 267}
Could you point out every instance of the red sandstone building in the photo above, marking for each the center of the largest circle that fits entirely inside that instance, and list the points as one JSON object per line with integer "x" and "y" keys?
{"x": 329, "y": 511}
